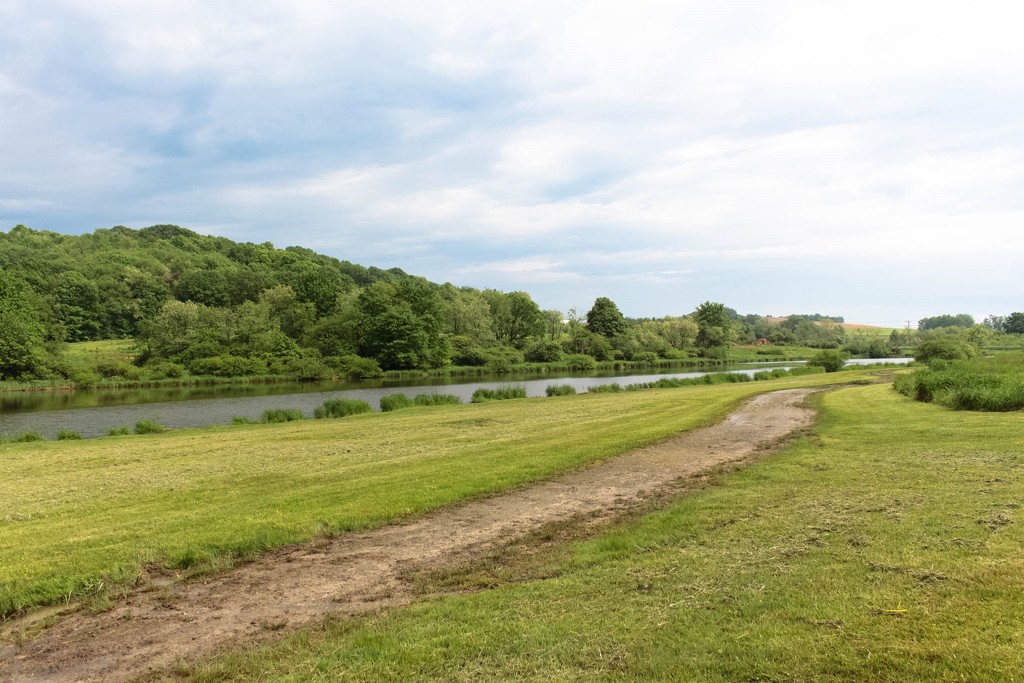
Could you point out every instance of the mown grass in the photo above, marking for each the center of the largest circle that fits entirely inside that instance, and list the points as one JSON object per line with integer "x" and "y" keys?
{"x": 884, "y": 548}
{"x": 74, "y": 513}
{"x": 990, "y": 384}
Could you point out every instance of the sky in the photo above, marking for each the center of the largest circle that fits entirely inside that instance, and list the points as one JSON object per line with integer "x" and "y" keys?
{"x": 863, "y": 159}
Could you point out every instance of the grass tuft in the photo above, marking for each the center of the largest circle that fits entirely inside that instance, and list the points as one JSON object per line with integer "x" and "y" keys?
{"x": 499, "y": 394}
{"x": 275, "y": 415}
{"x": 341, "y": 407}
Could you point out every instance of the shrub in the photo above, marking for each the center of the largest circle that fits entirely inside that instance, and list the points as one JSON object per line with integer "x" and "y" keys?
{"x": 341, "y": 407}
{"x": 83, "y": 378}
{"x": 394, "y": 402}
{"x": 307, "y": 369}
{"x": 437, "y": 400}
{"x": 560, "y": 390}
{"x": 948, "y": 348}
{"x": 164, "y": 370}
{"x": 68, "y": 435}
{"x": 499, "y": 394}
{"x": 119, "y": 431}
{"x": 543, "y": 351}
{"x": 465, "y": 352}
{"x": 355, "y": 366}
{"x": 25, "y": 437}
{"x": 227, "y": 366}
{"x": 118, "y": 368}
{"x": 149, "y": 427}
{"x": 273, "y": 415}
{"x": 645, "y": 357}
{"x": 604, "y": 389}
{"x": 830, "y": 359}
{"x": 990, "y": 384}
{"x": 581, "y": 361}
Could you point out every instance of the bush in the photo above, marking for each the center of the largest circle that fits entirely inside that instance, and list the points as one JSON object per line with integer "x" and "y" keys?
{"x": 307, "y": 369}
{"x": 499, "y": 394}
{"x": 25, "y": 437}
{"x": 830, "y": 359}
{"x": 560, "y": 390}
{"x": 645, "y": 358}
{"x": 355, "y": 367}
{"x": 341, "y": 407}
{"x": 118, "y": 368}
{"x": 989, "y": 384}
{"x": 581, "y": 361}
{"x": 119, "y": 431}
{"x": 465, "y": 352}
{"x": 274, "y": 415}
{"x": 947, "y": 348}
{"x": 164, "y": 370}
{"x": 604, "y": 389}
{"x": 83, "y": 377}
{"x": 543, "y": 351}
{"x": 68, "y": 435}
{"x": 437, "y": 400}
{"x": 394, "y": 402}
{"x": 227, "y": 366}
{"x": 149, "y": 427}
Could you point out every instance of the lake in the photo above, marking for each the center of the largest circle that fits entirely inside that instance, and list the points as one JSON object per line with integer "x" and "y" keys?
{"x": 92, "y": 413}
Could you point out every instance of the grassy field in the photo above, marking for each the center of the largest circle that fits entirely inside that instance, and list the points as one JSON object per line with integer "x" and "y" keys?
{"x": 886, "y": 547}
{"x": 81, "y": 517}
{"x": 94, "y": 353}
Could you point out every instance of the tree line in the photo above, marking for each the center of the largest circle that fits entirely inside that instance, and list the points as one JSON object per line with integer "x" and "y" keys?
{"x": 207, "y": 305}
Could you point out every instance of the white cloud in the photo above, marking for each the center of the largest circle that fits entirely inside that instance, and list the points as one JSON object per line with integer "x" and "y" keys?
{"x": 630, "y": 146}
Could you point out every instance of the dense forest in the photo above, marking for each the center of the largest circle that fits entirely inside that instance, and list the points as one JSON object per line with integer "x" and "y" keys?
{"x": 209, "y": 306}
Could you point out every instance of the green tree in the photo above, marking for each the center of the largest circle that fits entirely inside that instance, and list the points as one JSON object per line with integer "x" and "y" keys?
{"x": 403, "y": 325}
{"x": 516, "y": 317}
{"x": 832, "y": 360}
{"x": 947, "y": 320}
{"x": 1014, "y": 323}
{"x": 714, "y": 330}
{"x": 553, "y": 319}
{"x": 22, "y": 350}
{"x": 77, "y": 305}
{"x": 604, "y": 318}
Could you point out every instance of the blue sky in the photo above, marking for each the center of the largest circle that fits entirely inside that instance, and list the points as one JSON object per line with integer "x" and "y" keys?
{"x": 862, "y": 159}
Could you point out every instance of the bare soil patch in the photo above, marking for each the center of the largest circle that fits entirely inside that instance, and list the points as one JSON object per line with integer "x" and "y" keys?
{"x": 164, "y": 621}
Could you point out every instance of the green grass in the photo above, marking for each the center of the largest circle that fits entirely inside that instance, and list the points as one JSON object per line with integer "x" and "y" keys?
{"x": 277, "y": 415}
{"x": 560, "y": 390}
{"x": 95, "y": 353}
{"x": 341, "y": 407}
{"x": 74, "y": 513}
{"x": 884, "y": 548}
{"x": 989, "y": 384}
{"x": 500, "y": 394}
{"x": 149, "y": 427}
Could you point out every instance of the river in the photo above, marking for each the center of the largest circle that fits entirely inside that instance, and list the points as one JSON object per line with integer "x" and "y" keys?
{"x": 93, "y": 413}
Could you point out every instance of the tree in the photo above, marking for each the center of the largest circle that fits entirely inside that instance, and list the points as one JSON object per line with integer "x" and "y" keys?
{"x": 22, "y": 350}
{"x": 945, "y": 348}
{"x": 1014, "y": 323}
{"x": 77, "y": 304}
{"x": 554, "y": 322}
{"x": 516, "y": 317}
{"x": 402, "y": 325}
{"x": 937, "y": 321}
{"x": 832, "y": 360}
{"x": 604, "y": 318}
{"x": 714, "y": 330}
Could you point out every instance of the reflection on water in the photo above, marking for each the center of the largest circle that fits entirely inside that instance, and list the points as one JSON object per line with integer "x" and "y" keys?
{"x": 93, "y": 413}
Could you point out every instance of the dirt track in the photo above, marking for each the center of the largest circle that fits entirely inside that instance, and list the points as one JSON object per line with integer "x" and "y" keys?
{"x": 356, "y": 573}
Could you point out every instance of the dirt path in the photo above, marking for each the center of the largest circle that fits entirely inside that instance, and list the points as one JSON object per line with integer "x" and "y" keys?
{"x": 355, "y": 573}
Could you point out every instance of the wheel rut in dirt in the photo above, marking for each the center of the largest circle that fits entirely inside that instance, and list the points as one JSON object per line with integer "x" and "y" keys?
{"x": 281, "y": 590}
